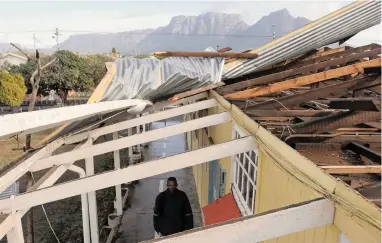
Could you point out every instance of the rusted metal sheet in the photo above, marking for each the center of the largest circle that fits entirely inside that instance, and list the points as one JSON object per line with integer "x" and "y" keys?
{"x": 332, "y": 122}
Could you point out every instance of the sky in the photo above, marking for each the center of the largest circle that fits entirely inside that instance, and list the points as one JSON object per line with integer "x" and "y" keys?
{"x": 20, "y": 20}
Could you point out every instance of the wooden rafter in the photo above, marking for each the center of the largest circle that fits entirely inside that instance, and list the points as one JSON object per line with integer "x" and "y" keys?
{"x": 289, "y": 113}
{"x": 305, "y": 80}
{"x": 352, "y": 169}
{"x": 311, "y": 95}
{"x": 336, "y": 55}
{"x": 306, "y": 69}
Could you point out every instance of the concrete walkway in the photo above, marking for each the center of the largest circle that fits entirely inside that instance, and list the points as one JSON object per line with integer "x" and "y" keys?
{"x": 137, "y": 222}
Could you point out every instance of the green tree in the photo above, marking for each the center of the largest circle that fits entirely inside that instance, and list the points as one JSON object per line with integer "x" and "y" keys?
{"x": 26, "y": 70}
{"x": 12, "y": 88}
{"x": 113, "y": 50}
{"x": 95, "y": 68}
{"x": 66, "y": 74}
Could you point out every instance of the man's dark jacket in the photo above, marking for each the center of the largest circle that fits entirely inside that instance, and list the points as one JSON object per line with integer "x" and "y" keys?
{"x": 172, "y": 213}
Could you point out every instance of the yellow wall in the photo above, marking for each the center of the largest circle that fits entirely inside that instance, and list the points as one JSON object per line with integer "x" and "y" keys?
{"x": 286, "y": 177}
{"x": 276, "y": 188}
{"x": 220, "y": 134}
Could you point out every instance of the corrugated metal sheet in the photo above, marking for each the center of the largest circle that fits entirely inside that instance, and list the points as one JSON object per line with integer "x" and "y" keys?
{"x": 345, "y": 22}
{"x": 152, "y": 78}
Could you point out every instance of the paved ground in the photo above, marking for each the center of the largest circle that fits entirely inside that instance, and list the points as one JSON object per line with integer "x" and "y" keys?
{"x": 137, "y": 222}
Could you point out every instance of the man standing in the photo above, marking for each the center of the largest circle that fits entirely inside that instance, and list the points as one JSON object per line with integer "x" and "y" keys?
{"x": 172, "y": 211}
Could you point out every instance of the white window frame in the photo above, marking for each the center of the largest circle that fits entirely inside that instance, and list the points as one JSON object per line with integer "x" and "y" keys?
{"x": 241, "y": 161}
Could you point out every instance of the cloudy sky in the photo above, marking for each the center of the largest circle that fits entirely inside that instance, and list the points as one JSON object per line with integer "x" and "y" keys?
{"x": 20, "y": 20}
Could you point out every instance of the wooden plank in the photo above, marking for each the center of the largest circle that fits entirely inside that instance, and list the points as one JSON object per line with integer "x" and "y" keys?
{"x": 311, "y": 95}
{"x": 374, "y": 124}
{"x": 289, "y": 113}
{"x": 205, "y": 54}
{"x": 306, "y": 69}
{"x": 361, "y": 104}
{"x": 193, "y": 92}
{"x": 335, "y": 121}
{"x": 305, "y": 80}
{"x": 365, "y": 151}
{"x": 336, "y": 55}
{"x": 376, "y": 89}
{"x": 352, "y": 169}
{"x": 225, "y": 49}
{"x": 263, "y": 226}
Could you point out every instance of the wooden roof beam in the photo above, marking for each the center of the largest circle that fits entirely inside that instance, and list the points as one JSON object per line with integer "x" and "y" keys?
{"x": 306, "y": 69}
{"x": 355, "y": 104}
{"x": 205, "y": 54}
{"x": 305, "y": 80}
{"x": 311, "y": 95}
{"x": 333, "y": 122}
{"x": 342, "y": 138}
{"x": 365, "y": 151}
{"x": 352, "y": 169}
{"x": 289, "y": 113}
{"x": 336, "y": 55}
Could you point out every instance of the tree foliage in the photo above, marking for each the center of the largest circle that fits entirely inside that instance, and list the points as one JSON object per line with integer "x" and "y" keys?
{"x": 12, "y": 88}
{"x": 94, "y": 67}
{"x": 68, "y": 72}
{"x": 113, "y": 50}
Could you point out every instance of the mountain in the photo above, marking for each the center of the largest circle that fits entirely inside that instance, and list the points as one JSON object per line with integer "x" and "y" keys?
{"x": 194, "y": 33}
{"x": 191, "y": 33}
{"x": 101, "y": 43}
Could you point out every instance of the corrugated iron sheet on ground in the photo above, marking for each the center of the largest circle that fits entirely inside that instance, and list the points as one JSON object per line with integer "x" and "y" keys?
{"x": 151, "y": 78}
{"x": 338, "y": 25}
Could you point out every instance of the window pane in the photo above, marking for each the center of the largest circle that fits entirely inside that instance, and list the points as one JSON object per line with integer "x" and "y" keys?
{"x": 240, "y": 178}
{"x": 237, "y": 172}
{"x": 253, "y": 157}
{"x": 244, "y": 191}
{"x": 241, "y": 158}
{"x": 246, "y": 162}
{"x": 251, "y": 171}
{"x": 250, "y": 199}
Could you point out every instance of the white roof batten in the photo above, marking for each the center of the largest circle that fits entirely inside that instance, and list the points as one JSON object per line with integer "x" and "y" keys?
{"x": 30, "y": 122}
{"x": 142, "y": 120}
{"x": 130, "y": 173}
{"x": 125, "y": 142}
{"x": 265, "y": 226}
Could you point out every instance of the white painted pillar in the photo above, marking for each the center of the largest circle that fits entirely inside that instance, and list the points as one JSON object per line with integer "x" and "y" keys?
{"x": 138, "y": 131}
{"x": 93, "y": 216}
{"x": 129, "y": 133}
{"x": 84, "y": 204}
{"x": 118, "y": 190}
{"x": 16, "y": 235}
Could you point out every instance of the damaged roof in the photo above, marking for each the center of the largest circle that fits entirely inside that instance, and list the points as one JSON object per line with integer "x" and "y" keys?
{"x": 325, "y": 104}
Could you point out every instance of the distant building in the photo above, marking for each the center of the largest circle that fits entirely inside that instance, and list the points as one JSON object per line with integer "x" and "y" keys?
{"x": 12, "y": 58}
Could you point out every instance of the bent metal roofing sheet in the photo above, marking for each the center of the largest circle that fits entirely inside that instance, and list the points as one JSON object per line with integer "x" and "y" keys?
{"x": 329, "y": 29}
{"x": 151, "y": 78}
